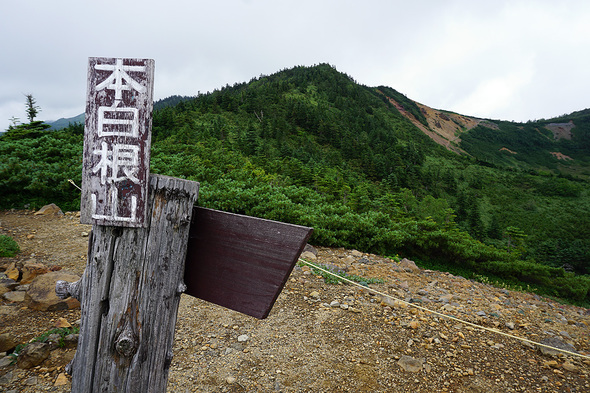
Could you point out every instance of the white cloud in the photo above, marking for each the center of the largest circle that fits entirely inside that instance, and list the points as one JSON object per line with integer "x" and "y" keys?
{"x": 504, "y": 59}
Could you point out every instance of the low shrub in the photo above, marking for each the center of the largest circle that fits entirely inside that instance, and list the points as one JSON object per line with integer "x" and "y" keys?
{"x": 8, "y": 247}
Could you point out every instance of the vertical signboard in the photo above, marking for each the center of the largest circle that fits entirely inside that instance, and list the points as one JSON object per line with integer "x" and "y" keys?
{"x": 117, "y": 141}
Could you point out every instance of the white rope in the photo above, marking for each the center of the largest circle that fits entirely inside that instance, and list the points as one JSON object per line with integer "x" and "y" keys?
{"x": 75, "y": 185}
{"x": 441, "y": 314}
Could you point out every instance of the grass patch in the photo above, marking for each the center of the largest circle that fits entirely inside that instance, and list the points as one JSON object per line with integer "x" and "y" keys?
{"x": 62, "y": 332}
{"x": 8, "y": 247}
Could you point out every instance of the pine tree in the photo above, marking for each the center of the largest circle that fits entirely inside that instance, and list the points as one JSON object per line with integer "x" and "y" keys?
{"x": 32, "y": 108}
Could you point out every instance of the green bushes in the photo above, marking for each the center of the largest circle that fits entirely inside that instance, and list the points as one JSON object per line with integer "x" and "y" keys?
{"x": 35, "y": 171}
{"x": 8, "y": 247}
{"x": 311, "y": 147}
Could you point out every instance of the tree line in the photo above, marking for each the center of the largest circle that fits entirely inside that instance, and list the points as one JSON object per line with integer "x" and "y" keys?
{"x": 310, "y": 146}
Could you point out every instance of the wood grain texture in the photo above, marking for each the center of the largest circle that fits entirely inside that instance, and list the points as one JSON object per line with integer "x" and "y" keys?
{"x": 241, "y": 262}
{"x": 117, "y": 140}
{"x": 129, "y": 294}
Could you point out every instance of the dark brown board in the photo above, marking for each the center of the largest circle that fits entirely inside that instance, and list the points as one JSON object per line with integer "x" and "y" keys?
{"x": 241, "y": 262}
{"x": 117, "y": 140}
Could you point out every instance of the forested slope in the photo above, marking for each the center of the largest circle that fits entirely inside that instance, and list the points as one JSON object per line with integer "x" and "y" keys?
{"x": 310, "y": 146}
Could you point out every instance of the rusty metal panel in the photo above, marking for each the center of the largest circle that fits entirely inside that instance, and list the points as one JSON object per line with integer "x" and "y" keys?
{"x": 241, "y": 262}
{"x": 117, "y": 140}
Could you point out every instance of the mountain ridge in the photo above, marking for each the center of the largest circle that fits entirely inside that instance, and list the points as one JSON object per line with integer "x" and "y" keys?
{"x": 448, "y": 129}
{"x": 310, "y": 146}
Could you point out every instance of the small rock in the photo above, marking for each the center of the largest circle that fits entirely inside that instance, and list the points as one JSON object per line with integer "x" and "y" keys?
{"x": 7, "y": 285}
{"x": 7, "y": 310}
{"x": 14, "y": 296}
{"x": 569, "y": 367}
{"x": 334, "y": 303}
{"x": 357, "y": 254}
{"x": 53, "y": 340}
{"x": 33, "y": 355}
{"x": 230, "y": 380}
{"x": 410, "y": 364}
{"x": 551, "y": 363}
{"x": 62, "y": 323}
{"x": 31, "y": 381}
{"x": 510, "y": 325}
{"x": 349, "y": 260}
{"x": 308, "y": 255}
{"x": 311, "y": 249}
{"x": 315, "y": 294}
{"x": 555, "y": 343}
{"x": 7, "y": 343}
{"x": 6, "y": 361}
{"x": 480, "y": 313}
{"x": 12, "y": 273}
{"x": 49, "y": 209}
{"x": 409, "y": 265}
{"x": 7, "y": 378}
{"x": 85, "y": 234}
{"x": 243, "y": 338}
{"x": 71, "y": 340}
{"x": 61, "y": 380}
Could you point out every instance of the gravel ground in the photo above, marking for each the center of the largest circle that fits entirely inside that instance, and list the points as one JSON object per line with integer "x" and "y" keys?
{"x": 330, "y": 338}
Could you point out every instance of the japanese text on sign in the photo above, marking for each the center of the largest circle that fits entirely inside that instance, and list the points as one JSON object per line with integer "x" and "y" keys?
{"x": 117, "y": 141}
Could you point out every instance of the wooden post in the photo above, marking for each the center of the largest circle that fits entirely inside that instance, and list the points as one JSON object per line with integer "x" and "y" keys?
{"x": 129, "y": 295}
{"x": 130, "y": 290}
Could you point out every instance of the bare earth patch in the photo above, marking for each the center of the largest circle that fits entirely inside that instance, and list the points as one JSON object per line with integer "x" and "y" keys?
{"x": 332, "y": 338}
{"x": 560, "y": 156}
{"x": 561, "y": 130}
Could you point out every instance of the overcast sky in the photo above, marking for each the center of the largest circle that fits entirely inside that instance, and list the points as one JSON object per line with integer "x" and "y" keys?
{"x": 511, "y": 60}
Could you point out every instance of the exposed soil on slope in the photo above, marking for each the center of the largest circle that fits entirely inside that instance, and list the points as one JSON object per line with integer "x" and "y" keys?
{"x": 332, "y": 338}
{"x": 444, "y": 128}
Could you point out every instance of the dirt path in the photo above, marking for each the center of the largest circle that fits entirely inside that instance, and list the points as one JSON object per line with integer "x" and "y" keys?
{"x": 331, "y": 338}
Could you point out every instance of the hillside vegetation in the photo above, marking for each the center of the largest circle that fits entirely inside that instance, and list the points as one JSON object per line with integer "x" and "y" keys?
{"x": 310, "y": 146}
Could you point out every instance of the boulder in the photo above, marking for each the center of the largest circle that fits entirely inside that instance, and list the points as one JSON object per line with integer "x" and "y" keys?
{"x": 51, "y": 209}
{"x": 309, "y": 252}
{"x": 31, "y": 270}
{"x": 41, "y": 294}
{"x": 12, "y": 271}
{"x": 7, "y": 285}
{"x": 14, "y": 296}
{"x": 409, "y": 265}
{"x": 7, "y": 343}
{"x": 33, "y": 355}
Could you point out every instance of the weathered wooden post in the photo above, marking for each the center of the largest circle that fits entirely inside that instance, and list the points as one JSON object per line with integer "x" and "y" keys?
{"x": 144, "y": 234}
{"x": 131, "y": 287}
{"x": 129, "y": 295}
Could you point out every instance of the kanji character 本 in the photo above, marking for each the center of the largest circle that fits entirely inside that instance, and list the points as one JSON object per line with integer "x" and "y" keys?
{"x": 115, "y": 80}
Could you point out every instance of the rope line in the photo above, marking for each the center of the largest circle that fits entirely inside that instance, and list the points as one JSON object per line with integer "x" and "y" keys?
{"x": 441, "y": 314}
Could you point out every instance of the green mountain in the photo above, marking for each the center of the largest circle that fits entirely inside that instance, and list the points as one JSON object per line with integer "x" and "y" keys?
{"x": 369, "y": 169}
{"x": 65, "y": 122}
{"x": 79, "y": 119}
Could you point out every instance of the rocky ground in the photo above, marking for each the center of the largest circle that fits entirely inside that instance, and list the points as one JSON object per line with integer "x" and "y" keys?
{"x": 327, "y": 338}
